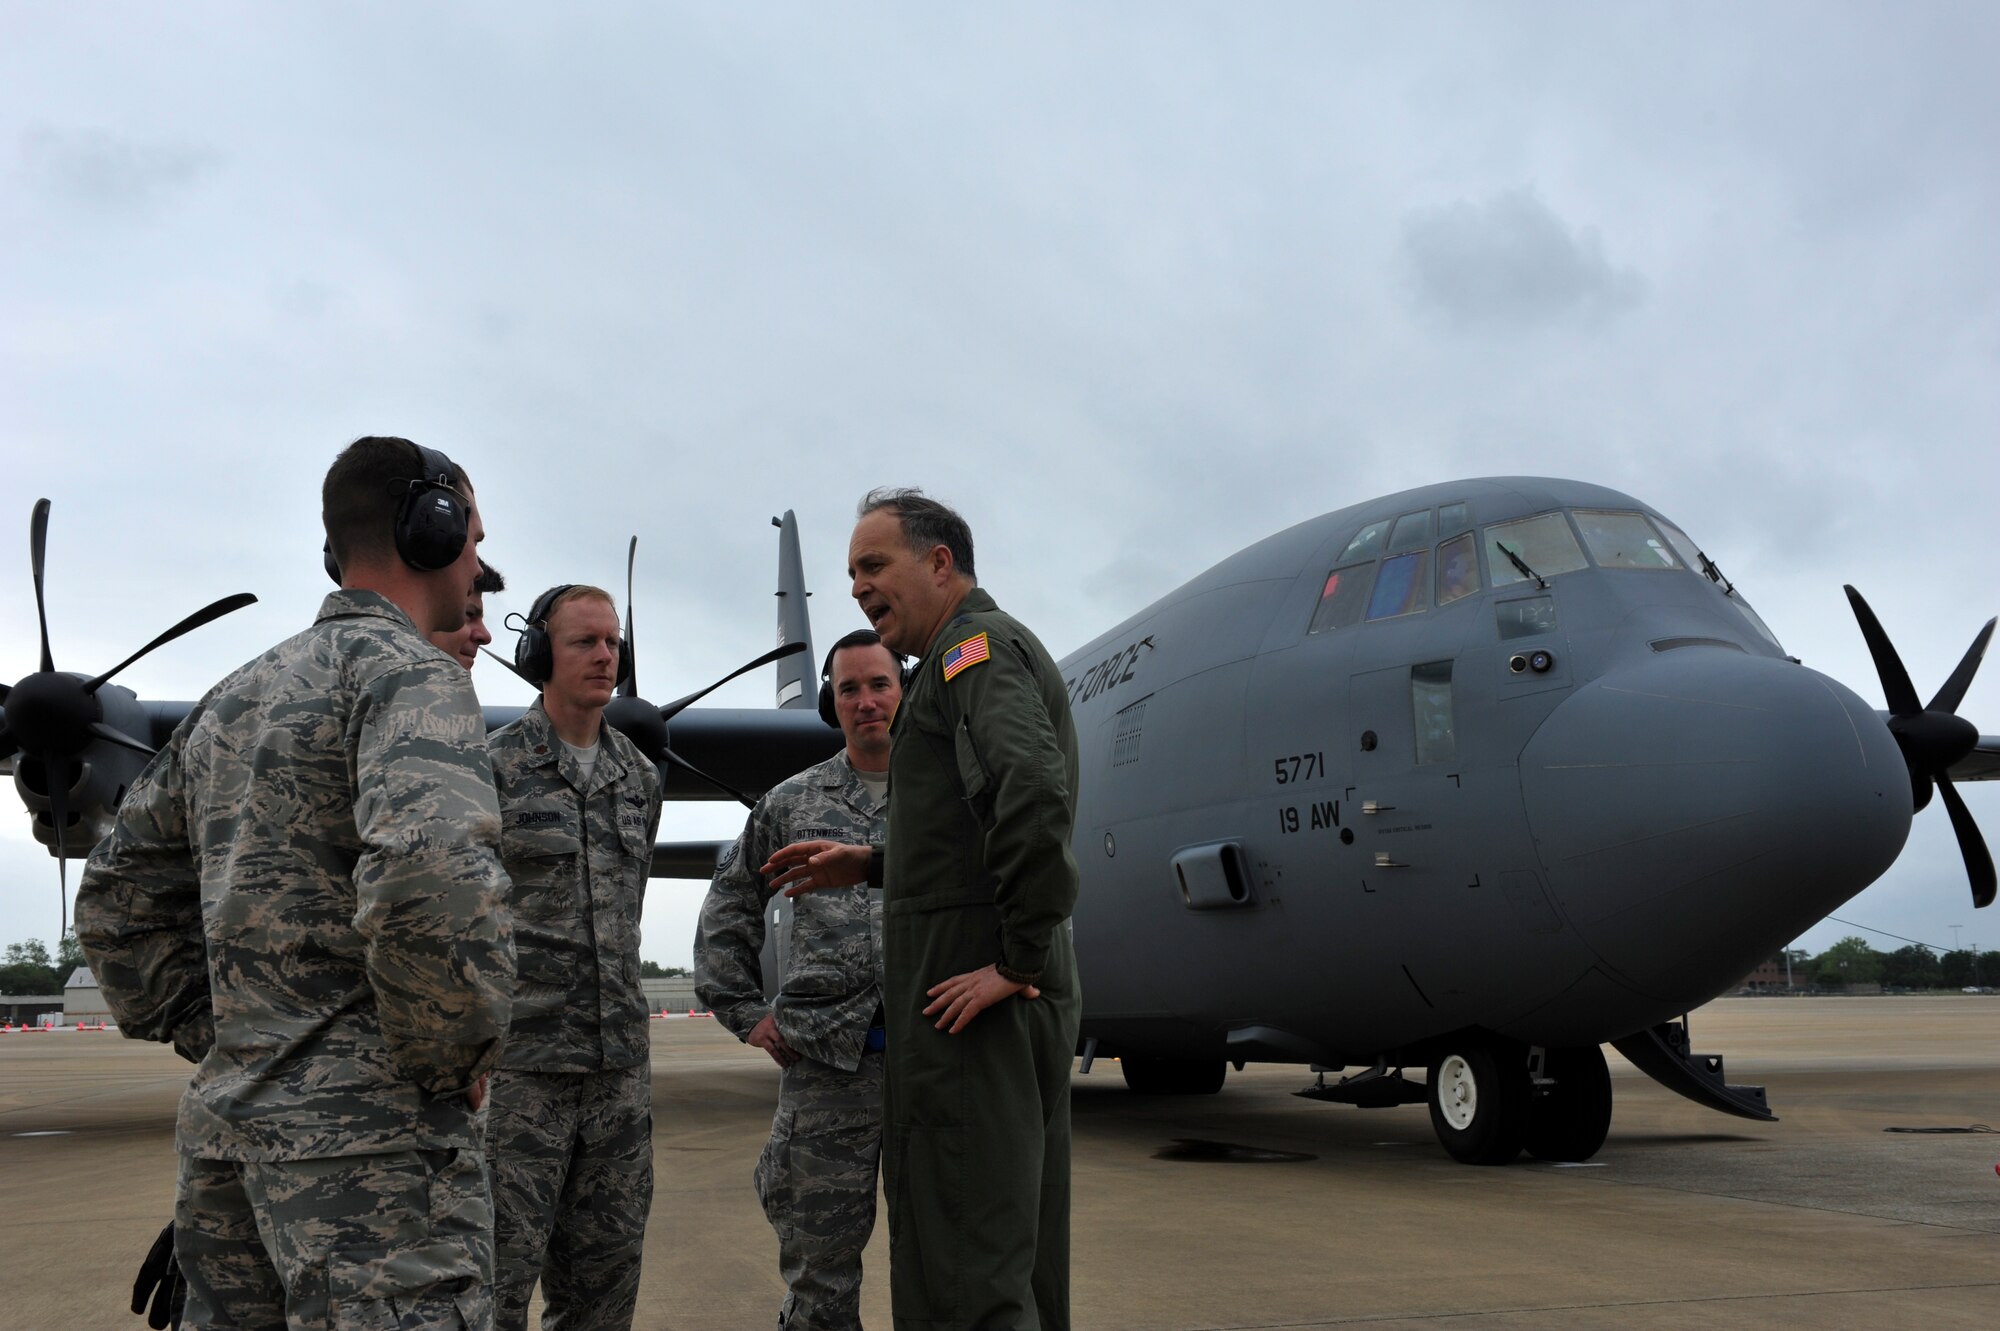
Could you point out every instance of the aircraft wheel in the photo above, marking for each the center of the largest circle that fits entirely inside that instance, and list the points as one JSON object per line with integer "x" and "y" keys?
{"x": 1569, "y": 1120}
{"x": 1173, "y": 1076}
{"x": 1479, "y": 1095}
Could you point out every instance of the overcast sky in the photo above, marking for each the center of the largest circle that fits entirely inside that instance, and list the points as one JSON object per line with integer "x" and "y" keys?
{"x": 1134, "y": 285}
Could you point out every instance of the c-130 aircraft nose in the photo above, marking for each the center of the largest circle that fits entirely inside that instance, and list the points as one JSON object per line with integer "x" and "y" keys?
{"x": 1699, "y": 810}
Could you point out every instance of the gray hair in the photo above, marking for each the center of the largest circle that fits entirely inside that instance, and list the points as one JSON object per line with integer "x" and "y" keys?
{"x": 926, "y": 523}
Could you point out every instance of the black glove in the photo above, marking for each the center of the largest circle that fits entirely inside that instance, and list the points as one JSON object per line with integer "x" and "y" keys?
{"x": 160, "y": 1279}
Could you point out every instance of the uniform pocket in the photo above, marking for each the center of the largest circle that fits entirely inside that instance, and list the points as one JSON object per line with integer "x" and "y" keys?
{"x": 424, "y": 1284}
{"x": 971, "y": 769}
{"x": 542, "y": 851}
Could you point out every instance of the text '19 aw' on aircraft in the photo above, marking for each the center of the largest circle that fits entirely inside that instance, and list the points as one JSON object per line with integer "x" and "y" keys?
{"x": 1476, "y": 778}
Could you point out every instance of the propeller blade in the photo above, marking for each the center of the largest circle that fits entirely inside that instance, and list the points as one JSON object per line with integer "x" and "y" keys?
{"x": 112, "y": 735}
{"x": 1953, "y": 692}
{"x": 206, "y": 614}
{"x": 1978, "y": 860}
{"x": 516, "y": 670}
{"x": 719, "y": 784}
{"x": 630, "y": 688}
{"x": 38, "y": 546}
{"x": 1896, "y": 688}
{"x": 58, "y": 776}
{"x": 775, "y": 654}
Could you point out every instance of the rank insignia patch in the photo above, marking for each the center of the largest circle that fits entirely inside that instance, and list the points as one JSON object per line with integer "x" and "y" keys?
{"x": 964, "y": 656}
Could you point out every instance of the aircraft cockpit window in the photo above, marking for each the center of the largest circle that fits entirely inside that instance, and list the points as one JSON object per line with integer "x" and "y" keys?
{"x": 1412, "y": 530}
{"x": 1458, "y": 569}
{"x": 1689, "y": 552}
{"x": 1341, "y": 597}
{"x": 1544, "y": 543}
{"x": 1454, "y": 518}
{"x": 1403, "y": 587}
{"x": 1367, "y": 542}
{"x": 1430, "y": 709}
{"x": 1623, "y": 540}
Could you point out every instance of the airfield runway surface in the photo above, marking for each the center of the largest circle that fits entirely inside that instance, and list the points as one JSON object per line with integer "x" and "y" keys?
{"x": 1284, "y": 1213}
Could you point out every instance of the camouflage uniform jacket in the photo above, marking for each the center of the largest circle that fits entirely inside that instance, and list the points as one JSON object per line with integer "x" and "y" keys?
{"x": 303, "y": 892}
{"x": 832, "y": 982}
{"x": 578, "y": 856}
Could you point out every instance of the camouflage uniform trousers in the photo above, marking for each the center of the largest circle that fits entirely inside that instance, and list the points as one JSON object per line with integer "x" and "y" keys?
{"x": 816, "y": 1180}
{"x": 572, "y": 1160}
{"x": 403, "y": 1239}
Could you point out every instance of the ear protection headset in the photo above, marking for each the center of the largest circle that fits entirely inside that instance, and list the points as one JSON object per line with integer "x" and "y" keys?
{"x": 431, "y": 523}
{"x": 858, "y": 638}
{"x": 534, "y": 654}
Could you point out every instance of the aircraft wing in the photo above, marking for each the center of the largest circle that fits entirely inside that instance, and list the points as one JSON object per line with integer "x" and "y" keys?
{"x": 1982, "y": 764}
{"x": 686, "y": 859}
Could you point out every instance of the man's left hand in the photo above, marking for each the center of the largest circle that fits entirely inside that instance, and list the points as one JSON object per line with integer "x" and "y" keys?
{"x": 963, "y": 997}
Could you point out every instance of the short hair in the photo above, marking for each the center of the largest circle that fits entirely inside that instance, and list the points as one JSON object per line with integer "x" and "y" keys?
{"x": 489, "y": 580}
{"x": 574, "y": 592}
{"x": 363, "y": 492}
{"x": 926, "y": 522}
{"x": 858, "y": 638}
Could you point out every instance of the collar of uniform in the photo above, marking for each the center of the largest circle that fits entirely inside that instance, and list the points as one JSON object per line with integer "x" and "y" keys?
{"x": 550, "y": 751}
{"x": 838, "y": 773}
{"x": 976, "y": 602}
{"x": 354, "y": 603}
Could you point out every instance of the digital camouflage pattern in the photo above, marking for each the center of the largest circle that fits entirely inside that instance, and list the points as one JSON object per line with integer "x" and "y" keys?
{"x": 816, "y": 1175}
{"x": 831, "y": 955}
{"x": 570, "y": 1134}
{"x": 578, "y": 856}
{"x": 397, "y": 1240}
{"x": 572, "y": 1162}
{"x": 303, "y": 892}
{"x": 816, "y": 1181}
{"x": 977, "y": 871}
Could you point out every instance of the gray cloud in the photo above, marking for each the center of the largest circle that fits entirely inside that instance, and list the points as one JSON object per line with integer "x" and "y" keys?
{"x": 1511, "y": 260}
{"x": 98, "y": 171}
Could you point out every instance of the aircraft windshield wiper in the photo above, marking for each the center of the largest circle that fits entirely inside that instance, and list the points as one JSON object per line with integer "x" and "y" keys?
{"x": 1522, "y": 564}
{"x": 1715, "y": 574}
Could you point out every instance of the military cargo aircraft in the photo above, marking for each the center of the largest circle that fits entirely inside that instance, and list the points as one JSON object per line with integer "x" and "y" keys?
{"x": 1475, "y": 778}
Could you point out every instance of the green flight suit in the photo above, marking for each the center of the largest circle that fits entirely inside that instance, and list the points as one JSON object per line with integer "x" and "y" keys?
{"x": 977, "y": 870}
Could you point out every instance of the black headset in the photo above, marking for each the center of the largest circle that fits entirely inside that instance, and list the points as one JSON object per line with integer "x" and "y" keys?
{"x": 858, "y": 638}
{"x": 534, "y": 655}
{"x": 431, "y": 523}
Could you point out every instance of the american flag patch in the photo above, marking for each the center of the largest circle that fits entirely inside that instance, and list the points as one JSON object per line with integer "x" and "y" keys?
{"x": 967, "y": 654}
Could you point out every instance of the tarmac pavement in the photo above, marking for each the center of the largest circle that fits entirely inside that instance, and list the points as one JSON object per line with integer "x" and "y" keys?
{"x": 1251, "y": 1208}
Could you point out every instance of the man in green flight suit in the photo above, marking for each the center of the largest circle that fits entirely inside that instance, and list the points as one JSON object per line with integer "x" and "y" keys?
{"x": 978, "y": 881}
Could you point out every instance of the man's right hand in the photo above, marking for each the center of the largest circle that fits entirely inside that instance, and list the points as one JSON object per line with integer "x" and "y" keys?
{"x": 765, "y": 1036}
{"x": 810, "y": 866}
{"x": 160, "y": 1282}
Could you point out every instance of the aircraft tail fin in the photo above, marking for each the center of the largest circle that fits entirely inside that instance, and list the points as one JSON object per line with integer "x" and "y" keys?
{"x": 797, "y": 686}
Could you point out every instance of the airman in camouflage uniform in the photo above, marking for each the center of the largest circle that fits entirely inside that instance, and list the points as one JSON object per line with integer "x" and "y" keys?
{"x": 816, "y": 1176}
{"x": 570, "y": 1132}
{"x": 303, "y": 894}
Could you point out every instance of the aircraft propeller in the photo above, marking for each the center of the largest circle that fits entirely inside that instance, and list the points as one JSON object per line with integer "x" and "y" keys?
{"x": 52, "y": 717}
{"x": 1933, "y": 737}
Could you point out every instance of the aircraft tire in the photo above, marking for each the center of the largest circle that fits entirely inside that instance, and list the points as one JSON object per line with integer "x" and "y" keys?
{"x": 1569, "y": 1120}
{"x": 1173, "y": 1076}
{"x": 1480, "y": 1096}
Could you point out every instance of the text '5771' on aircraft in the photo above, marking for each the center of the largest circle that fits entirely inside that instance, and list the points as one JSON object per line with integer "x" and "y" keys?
{"x": 1476, "y": 778}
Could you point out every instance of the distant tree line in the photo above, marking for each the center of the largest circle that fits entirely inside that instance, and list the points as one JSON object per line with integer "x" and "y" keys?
{"x": 1852, "y": 961}
{"x": 29, "y": 969}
